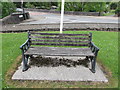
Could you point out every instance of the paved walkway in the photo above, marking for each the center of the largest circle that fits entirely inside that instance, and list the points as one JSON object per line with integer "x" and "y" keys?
{"x": 62, "y": 73}
{"x": 41, "y": 20}
{"x": 48, "y": 18}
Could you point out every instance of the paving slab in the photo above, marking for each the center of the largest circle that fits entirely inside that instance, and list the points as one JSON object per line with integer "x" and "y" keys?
{"x": 60, "y": 73}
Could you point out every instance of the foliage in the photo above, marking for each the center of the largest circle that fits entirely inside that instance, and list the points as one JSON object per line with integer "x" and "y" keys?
{"x": 95, "y": 6}
{"x": 29, "y": 5}
{"x": 74, "y": 6}
{"x": 117, "y": 11}
{"x": 71, "y": 6}
{"x": 17, "y": 4}
{"x": 113, "y": 5}
{"x": 85, "y": 6}
{"x": 7, "y": 8}
{"x": 107, "y": 9}
{"x": 111, "y": 12}
{"x": 54, "y": 3}
{"x": 77, "y": 6}
{"x": 40, "y": 5}
{"x": 0, "y": 10}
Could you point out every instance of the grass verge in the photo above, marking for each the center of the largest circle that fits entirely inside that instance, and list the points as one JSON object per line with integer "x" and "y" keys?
{"x": 112, "y": 12}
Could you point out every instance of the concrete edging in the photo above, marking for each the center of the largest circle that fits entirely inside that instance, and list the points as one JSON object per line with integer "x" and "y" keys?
{"x": 56, "y": 26}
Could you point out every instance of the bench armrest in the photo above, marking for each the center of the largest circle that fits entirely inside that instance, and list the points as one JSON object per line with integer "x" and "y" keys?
{"x": 25, "y": 46}
{"x": 94, "y": 48}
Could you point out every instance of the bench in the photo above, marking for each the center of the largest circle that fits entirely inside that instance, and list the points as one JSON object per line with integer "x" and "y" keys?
{"x": 54, "y": 44}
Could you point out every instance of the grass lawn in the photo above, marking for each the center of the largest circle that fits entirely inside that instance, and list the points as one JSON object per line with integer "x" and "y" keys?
{"x": 0, "y": 61}
{"x": 107, "y": 58}
{"x": 0, "y": 17}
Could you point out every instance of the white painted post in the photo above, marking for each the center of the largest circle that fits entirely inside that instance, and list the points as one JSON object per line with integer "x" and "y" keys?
{"x": 22, "y": 6}
{"x": 62, "y": 14}
{"x": 21, "y": 3}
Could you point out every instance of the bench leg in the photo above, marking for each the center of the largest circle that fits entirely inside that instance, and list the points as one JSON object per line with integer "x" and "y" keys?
{"x": 87, "y": 57}
{"x": 25, "y": 61}
{"x": 93, "y": 64}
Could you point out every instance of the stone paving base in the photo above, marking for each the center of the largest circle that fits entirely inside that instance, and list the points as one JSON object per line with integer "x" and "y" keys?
{"x": 54, "y": 26}
{"x": 60, "y": 73}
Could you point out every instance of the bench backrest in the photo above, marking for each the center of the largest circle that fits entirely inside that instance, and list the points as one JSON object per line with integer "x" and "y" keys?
{"x": 55, "y": 39}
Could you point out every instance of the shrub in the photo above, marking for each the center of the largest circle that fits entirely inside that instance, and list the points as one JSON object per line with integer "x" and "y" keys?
{"x": 113, "y": 5}
{"x": 7, "y": 8}
{"x": 29, "y": 5}
{"x": 117, "y": 11}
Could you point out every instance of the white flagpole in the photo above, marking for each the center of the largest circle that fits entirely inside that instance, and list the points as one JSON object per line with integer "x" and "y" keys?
{"x": 62, "y": 14}
{"x": 22, "y": 6}
{"x": 21, "y": 3}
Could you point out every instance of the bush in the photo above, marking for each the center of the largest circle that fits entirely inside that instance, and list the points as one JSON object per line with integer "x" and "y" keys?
{"x": 48, "y": 8}
{"x": 0, "y": 10}
{"x": 84, "y": 6}
{"x": 113, "y": 5}
{"x": 7, "y": 8}
{"x": 42, "y": 7}
{"x": 117, "y": 11}
{"x": 29, "y": 5}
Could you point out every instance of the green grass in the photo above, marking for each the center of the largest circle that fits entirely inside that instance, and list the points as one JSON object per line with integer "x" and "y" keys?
{"x": 10, "y": 46}
{"x": 0, "y": 17}
{"x": 112, "y": 12}
{"x": 10, "y": 49}
{"x": 108, "y": 56}
{"x": 0, "y": 61}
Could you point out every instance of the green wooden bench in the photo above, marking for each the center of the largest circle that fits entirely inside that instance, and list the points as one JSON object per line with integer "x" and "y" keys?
{"x": 49, "y": 44}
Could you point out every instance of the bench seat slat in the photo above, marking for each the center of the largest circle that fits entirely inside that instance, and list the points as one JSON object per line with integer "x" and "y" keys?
{"x": 57, "y": 44}
{"x": 36, "y": 40}
{"x": 60, "y": 34}
{"x": 59, "y": 51}
{"x": 48, "y": 37}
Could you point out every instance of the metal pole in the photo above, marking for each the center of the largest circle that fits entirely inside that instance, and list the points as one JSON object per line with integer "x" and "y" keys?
{"x": 62, "y": 14}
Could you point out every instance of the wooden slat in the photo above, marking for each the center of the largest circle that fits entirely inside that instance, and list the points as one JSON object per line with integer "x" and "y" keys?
{"x": 60, "y": 34}
{"x": 48, "y": 37}
{"x": 36, "y": 40}
{"x": 59, "y": 51}
{"x": 61, "y": 44}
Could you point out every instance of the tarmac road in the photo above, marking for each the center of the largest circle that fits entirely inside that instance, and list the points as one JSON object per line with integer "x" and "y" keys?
{"x": 48, "y": 18}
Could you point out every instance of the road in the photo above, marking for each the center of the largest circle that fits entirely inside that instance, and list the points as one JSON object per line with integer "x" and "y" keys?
{"x": 48, "y": 18}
